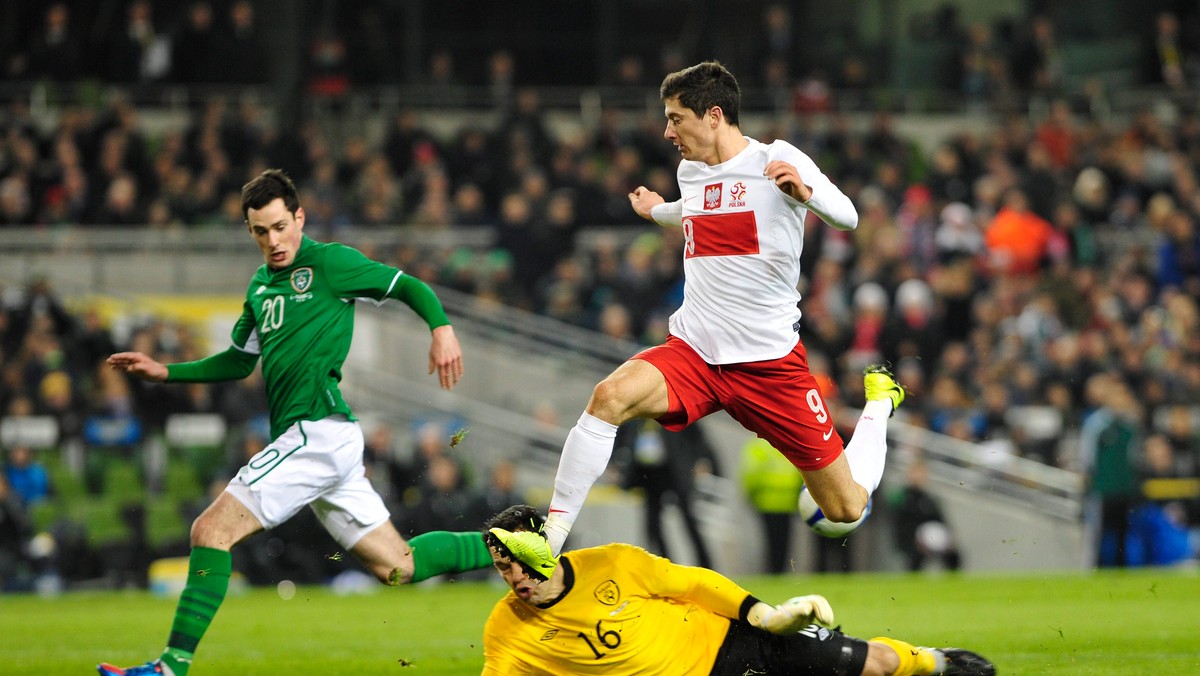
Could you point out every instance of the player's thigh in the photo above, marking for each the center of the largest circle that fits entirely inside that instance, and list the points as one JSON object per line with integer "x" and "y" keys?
{"x": 681, "y": 387}
{"x": 305, "y": 462}
{"x": 781, "y": 401}
{"x": 812, "y": 650}
{"x": 352, "y": 510}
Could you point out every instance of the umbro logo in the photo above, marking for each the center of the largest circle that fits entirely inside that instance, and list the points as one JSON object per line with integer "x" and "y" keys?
{"x": 549, "y": 635}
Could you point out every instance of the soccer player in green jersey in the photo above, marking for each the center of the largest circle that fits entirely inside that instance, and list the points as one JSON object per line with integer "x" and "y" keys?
{"x": 298, "y": 317}
{"x": 619, "y": 610}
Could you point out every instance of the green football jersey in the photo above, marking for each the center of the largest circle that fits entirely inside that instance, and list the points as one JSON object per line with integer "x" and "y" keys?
{"x": 301, "y": 320}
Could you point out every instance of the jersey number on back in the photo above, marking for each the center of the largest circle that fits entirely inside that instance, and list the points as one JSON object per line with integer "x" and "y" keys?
{"x": 272, "y": 310}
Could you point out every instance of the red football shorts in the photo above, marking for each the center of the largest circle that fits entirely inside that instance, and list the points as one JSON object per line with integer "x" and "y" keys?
{"x": 777, "y": 399}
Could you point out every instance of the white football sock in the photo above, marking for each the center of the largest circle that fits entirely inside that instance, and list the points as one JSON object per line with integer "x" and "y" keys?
{"x": 867, "y": 449}
{"x": 583, "y": 459}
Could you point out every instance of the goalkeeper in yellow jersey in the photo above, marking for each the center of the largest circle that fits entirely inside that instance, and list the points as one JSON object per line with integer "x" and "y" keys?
{"x": 618, "y": 610}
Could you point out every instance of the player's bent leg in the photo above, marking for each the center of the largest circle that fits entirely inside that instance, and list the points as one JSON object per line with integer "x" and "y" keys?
{"x": 891, "y": 657}
{"x": 898, "y": 658}
{"x": 222, "y": 525}
{"x": 394, "y": 562}
{"x": 636, "y": 389}
{"x": 833, "y": 487}
{"x": 386, "y": 555}
{"x": 867, "y": 451}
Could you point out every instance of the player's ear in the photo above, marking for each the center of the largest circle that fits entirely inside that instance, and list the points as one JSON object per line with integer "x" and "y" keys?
{"x": 715, "y": 115}
{"x": 300, "y": 217}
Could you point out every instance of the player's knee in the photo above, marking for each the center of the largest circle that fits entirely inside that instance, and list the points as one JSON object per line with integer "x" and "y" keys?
{"x": 207, "y": 532}
{"x": 608, "y": 402}
{"x": 393, "y": 577}
{"x": 842, "y": 511}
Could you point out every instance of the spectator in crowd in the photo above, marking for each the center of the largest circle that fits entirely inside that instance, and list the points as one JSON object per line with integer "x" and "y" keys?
{"x": 499, "y": 493}
{"x": 1159, "y": 526}
{"x": 921, "y": 531}
{"x": 55, "y": 48}
{"x": 27, "y": 478}
{"x": 1038, "y": 61}
{"x": 243, "y": 51}
{"x": 15, "y": 531}
{"x": 1018, "y": 240}
{"x": 138, "y": 52}
{"x": 1169, "y": 56}
{"x": 772, "y": 485}
{"x": 664, "y": 465}
{"x": 1108, "y": 443}
{"x": 445, "y": 500}
{"x": 195, "y": 45}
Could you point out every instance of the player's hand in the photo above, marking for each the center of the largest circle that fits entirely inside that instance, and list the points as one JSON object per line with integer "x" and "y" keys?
{"x": 787, "y": 179}
{"x": 643, "y": 199}
{"x": 445, "y": 357}
{"x": 792, "y": 615}
{"x": 138, "y": 364}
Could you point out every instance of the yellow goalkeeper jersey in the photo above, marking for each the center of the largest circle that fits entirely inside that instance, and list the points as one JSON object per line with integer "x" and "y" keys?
{"x": 624, "y": 611}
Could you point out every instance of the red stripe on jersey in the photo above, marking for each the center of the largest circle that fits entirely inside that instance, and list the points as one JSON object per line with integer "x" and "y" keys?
{"x": 733, "y": 234}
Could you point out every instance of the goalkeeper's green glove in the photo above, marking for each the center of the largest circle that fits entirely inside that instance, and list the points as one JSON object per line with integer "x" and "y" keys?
{"x": 792, "y": 615}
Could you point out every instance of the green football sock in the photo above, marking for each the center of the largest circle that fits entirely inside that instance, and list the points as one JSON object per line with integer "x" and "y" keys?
{"x": 207, "y": 582}
{"x": 440, "y": 551}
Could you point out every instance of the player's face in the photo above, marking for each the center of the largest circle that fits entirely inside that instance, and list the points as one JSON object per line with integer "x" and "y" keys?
{"x": 277, "y": 231}
{"x": 694, "y": 136}
{"x": 526, "y": 588}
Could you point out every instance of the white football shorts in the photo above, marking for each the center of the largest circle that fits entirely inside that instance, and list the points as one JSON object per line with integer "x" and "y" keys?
{"x": 316, "y": 463}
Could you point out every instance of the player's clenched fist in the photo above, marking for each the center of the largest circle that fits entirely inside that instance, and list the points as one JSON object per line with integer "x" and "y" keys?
{"x": 643, "y": 199}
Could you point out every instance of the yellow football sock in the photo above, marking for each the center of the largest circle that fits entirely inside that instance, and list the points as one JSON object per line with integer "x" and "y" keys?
{"x": 914, "y": 661}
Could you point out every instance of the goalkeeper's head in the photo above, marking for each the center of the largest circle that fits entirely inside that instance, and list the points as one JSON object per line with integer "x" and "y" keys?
{"x": 516, "y": 535}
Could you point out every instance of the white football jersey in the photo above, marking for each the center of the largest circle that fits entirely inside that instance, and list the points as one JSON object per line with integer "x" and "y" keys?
{"x": 741, "y": 258}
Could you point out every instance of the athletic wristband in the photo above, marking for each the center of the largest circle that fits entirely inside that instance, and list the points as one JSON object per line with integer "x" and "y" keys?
{"x": 744, "y": 610}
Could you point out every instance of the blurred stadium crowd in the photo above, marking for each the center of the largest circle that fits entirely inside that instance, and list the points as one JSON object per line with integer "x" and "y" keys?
{"x": 1048, "y": 268}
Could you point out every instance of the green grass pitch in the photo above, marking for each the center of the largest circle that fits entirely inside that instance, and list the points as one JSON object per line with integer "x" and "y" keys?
{"x": 1135, "y": 622}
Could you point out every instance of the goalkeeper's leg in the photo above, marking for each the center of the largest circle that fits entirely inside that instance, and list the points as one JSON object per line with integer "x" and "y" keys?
{"x": 893, "y": 657}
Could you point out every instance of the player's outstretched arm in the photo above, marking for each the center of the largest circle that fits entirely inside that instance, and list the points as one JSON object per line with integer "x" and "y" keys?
{"x": 445, "y": 356}
{"x": 138, "y": 364}
{"x": 792, "y": 615}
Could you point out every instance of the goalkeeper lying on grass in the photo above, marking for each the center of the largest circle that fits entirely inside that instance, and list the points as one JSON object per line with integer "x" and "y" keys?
{"x": 617, "y": 609}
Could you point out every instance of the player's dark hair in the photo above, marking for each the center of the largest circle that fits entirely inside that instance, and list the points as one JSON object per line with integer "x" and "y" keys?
{"x": 515, "y": 518}
{"x": 265, "y": 188}
{"x": 702, "y": 86}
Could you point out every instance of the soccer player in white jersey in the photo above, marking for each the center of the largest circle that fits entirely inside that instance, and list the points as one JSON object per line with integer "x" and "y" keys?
{"x": 298, "y": 316}
{"x": 734, "y": 342}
